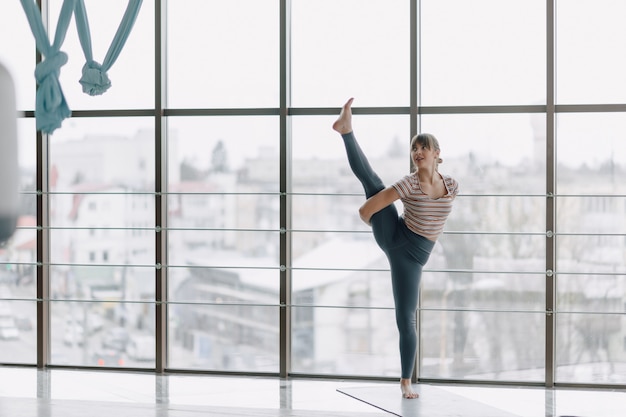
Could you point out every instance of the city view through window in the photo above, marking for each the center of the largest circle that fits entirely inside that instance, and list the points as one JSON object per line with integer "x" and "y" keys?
{"x": 484, "y": 293}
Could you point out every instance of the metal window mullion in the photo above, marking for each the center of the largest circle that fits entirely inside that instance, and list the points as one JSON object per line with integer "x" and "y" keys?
{"x": 414, "y": 56}
{"x": 43, "y": 253}
{"x": 414, "y": 102}
{"x": 550, "y": 192}
{"x": 160, "y": 185}
{"x": 285, "y": 188}
{"x": 43, "y": 232}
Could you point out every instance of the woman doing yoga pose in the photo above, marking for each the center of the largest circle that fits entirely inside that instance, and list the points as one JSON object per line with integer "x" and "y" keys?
{"x": 406, "y": 240}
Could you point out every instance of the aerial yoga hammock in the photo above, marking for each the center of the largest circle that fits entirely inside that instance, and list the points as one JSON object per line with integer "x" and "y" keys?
{"x": 51, "y": 107}
{"x": 95, "y": 80}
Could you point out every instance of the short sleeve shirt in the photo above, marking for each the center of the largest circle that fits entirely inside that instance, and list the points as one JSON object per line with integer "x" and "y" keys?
{"x": 424, "y": 215}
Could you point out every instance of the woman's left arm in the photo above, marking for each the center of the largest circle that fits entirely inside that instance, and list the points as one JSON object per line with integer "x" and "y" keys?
{"x": 377, "y": 202}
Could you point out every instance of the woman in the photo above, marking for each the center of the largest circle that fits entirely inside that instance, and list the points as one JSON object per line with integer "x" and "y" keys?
{"x": 407, "y": 240}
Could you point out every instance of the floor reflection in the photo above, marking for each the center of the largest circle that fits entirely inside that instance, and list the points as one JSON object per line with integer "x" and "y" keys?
{"x": 29, "y": 392}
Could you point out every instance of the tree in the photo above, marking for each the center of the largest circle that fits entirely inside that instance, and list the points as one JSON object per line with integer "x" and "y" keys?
{"x": 219, "y": 158}
{"x": 188, "y": 172}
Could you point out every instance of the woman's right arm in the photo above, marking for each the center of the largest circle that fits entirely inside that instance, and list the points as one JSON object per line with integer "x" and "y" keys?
{"x": 377, "y": 202}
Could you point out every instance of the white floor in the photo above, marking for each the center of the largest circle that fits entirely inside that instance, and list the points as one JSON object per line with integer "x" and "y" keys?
{"x": 28, "y": 392}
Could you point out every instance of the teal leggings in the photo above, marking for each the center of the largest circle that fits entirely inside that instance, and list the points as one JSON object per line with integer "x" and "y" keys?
{"x": 406, "y": 251}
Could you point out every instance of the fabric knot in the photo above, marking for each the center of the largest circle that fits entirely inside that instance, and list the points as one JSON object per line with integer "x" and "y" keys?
{"x": 50, "y": 66}
{"x": 50, "y": 105}
{"x": 95, "y": 81}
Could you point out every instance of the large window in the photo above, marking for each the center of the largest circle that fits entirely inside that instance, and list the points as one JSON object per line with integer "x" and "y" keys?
{"x": 102, "y": 243}
{"x": 589, "y": 33}
{"x": 591, "y": 202}
{"x": 350, "y": 48}
{"x": 482, "y": 52}
{"x": 591, "y": 247}
{"x": 222, "y": 54}
{"x": 224, "y": 243}
{"x": 201, "y": 214}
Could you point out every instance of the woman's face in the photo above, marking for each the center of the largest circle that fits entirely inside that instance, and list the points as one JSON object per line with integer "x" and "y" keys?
{"x": 423, "y": 156}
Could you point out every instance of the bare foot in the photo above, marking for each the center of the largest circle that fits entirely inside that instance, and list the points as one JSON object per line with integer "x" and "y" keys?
{"x": 344, "y": 123}
{"x": 407, "y": 389}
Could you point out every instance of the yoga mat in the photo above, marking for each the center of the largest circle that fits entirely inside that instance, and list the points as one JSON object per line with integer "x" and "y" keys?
{"x": 432, "y": 402}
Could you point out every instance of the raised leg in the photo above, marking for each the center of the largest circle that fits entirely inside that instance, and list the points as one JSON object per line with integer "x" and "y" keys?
{"x": 384, "y": 222}
{"x": 356, "y": 158}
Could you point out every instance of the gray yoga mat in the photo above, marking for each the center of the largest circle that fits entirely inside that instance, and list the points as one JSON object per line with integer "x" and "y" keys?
{"x": 432, "y": 402}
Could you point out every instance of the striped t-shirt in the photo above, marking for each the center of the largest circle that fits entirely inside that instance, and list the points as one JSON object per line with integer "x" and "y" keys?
{"x": 424, "y": 215}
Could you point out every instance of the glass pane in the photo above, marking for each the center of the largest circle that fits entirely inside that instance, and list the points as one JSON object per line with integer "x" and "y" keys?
{"x": 105, "y": 185}
{"x": 483, "y": 345}
{"x": 18, "y": 335}
{"x": 325, "y": 276}
{"x": 492, "y": 153}
{"x": 320, "y": 165}
{"x": 103, "y": 155}
{"x": 131, "y": 75}
{"x": 245, "y": 281}
{"x": 350, "y": 48}
{"x": 489, "y": 252}
{"x": 112, "y": 213}
{"x": 496, "y": 56}
{"x": 477, "y": 290}
{"x": 591, "y": 293}
{"x": 225, "y": 248}
{"x": 103, "y": 283}
{"x": 599, "y": 215}
{"x": 499, "y": 214}
{"x": 591, "y": 153}
{"x": 591, "y": 254}
{"x": 590, "y": 348}
{"x": 327, "y": 212}
{"x": 18, "y": 257}
{"x": 18, "y": 52}
{"x": 229, "y": 192}
{"x": 109, "y": 334}
{"x": 223, "y": 154}
{"x": 223, "y": 54}
{"x": 590, "y": 31}
{"x": 364, "y": 341}
{"x": 599, "y": 169}
{"x": 113, "y": 232}
{"x": 596, "y": 172}
{"x": 224, "y": 337}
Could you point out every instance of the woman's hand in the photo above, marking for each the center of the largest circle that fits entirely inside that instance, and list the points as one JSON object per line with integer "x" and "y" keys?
{"x": 377, "y": 202}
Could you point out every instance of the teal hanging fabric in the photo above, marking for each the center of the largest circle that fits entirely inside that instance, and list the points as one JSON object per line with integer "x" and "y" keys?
{"x": 95, "y": 80}
{"x": 50, "y": 105}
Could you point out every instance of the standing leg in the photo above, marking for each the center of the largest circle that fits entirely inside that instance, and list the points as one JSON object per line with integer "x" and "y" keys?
{"x": 405, "y": 279}
{"x": 407, "y": 260}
